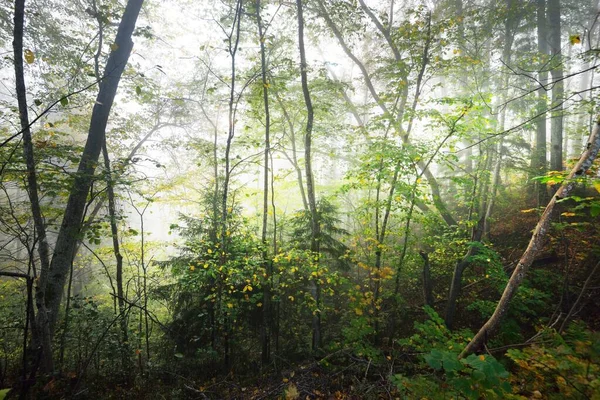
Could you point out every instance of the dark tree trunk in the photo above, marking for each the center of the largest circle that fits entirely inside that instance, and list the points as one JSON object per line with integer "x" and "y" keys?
{"x": 54, "y": 279}
{"x": 427, "y": 283}
{"x": 44, "y": 340}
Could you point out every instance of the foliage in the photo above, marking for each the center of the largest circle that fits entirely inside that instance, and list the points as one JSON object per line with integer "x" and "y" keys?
{"x": 566, "y": 366}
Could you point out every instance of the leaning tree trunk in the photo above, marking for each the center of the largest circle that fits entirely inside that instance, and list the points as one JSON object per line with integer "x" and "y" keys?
{"x": 579, "y": 170}
{"x": 54, "y": 280}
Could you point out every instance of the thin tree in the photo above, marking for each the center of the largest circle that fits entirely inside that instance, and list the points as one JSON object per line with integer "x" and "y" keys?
{"x": 268, "y": 265}
{"x": 32, "y": 185}
{"x": 310, "y": 183}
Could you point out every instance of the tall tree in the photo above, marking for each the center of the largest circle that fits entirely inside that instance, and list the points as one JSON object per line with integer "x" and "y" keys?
{"x": 52, "y": 280}
{"x": 32, "y": 185}
{"x": 265, "y": 329}
{"x": 538, "y": 156}
{"x": 310, "y": 182}
{"x": 558, "y": 88}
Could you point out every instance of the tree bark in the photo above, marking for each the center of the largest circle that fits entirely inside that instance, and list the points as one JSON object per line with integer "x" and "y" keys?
{"x": 54, "y": 279}
{"x": 556, "y": 138}
{"x": 265, "y": 334}
{"x": 32, "y": 185}
{"x": 536, "y": 242}
{"x": 427, "y": 283}
{"x": 310, "y": 185}
{"x": 538, "y": 156}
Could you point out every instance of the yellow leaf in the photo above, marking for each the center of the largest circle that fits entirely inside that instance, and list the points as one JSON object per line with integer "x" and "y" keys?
{"x": 229, "y": 305}
{"x": 209, "y": 251}
{"x": 29, "y": 56}
{"x": 568, "y": 214}
{"x": 358, "y": 311}
{"x": 291, "y": 298}
{"x": 292, "y": 393}
{"x": 596, "y": 185}
{"x": 574, "y": 39}
{"x": 114, "y": 47}
{"x": 482, "y": 357}
{"x": 192, "y": 268}
{"x": 258, "y": 304}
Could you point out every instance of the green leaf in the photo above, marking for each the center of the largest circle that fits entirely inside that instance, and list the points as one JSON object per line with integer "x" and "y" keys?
{"x": 178, "y": 355}
{"x": 595, "y": 209}
{"x": 434, "y": 359}
{"x": 138, "y": 90}
{"x": 3, "y": 393}
{"x": 64, "y": 101}
{"x": 37, "y": 102}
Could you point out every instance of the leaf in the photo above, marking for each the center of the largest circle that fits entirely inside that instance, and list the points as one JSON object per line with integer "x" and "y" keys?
{"x": 114, "y": 47}
{"x": 292, "y": 393}
{"x": 37, "y": 102}
{"x": 574, "y": 39}
{"x": 178, "y": 355}
{"x": 596, "y": 185}
{"x": 595, "y": 209}
{"x": 64, "y": 101}
{"x": 3, "y": 393}
{"x": 138, "y": 90}
{"x": 434, "y": 359}
{"x": 29, "y": 56}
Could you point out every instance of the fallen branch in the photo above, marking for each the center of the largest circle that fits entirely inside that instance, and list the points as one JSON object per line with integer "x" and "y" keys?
{"x": 535, "y": 244}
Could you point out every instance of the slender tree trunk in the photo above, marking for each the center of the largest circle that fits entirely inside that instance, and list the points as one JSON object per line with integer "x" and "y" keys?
{"x": 54, "y": 279}
{"x": 538, "y": 156}
{"x": 118, "y": 257}
{"x": 43, "y": 328}
{"x": 266, "y": 308}
{"x": 427, "y": 283}
{"x": 310, "y": 186}
{"x": 535, "y": 243}
{"x": 556, "y": 154}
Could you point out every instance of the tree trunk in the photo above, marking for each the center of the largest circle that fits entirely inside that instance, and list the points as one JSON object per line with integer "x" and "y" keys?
{"x": 45, "y": 335}
{"x": 54, "y": 279}
{"x": 427, "y": 283}
{"x": 265, "y": 334}
{"x": 118, "y": 257}
{"x": 310, "y": 185}
{"x": 538, "y": 156}
{"x": 556, "y": 138}
{"x": 536, "y": 242}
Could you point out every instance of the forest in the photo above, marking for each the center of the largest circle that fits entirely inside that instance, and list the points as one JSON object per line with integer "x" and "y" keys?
{"x": 299, "y": 199}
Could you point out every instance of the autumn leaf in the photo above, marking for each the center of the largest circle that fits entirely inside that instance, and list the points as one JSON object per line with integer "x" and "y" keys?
{"x": 29, "y": 56}
{"x": 292, "y": 393}
{"x": 574, "y": 39}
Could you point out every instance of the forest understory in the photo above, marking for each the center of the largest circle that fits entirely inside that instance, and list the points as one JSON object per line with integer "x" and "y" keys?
{"x": 308, "y": 199}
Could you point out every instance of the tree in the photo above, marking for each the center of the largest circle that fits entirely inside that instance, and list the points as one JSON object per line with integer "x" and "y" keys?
{"x": 52, "y": 279}
{"x": 577, "y": 172}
